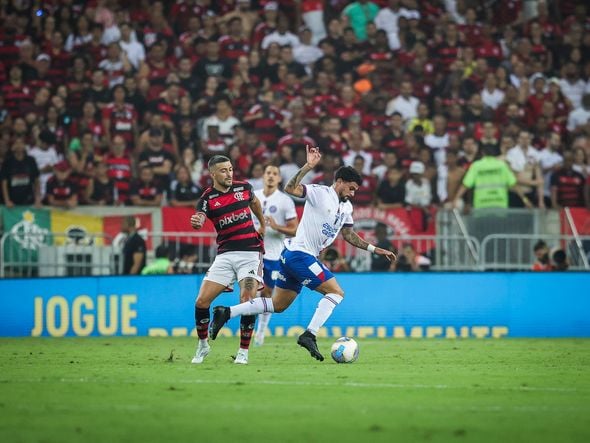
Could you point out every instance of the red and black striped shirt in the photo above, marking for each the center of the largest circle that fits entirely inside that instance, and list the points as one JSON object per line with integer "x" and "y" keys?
{"x": 231, "y": 215}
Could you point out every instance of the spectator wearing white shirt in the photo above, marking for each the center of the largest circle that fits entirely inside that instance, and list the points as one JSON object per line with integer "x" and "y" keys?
{"x": 578, "y": 118}
{"x": 131, "y": 47}
{"x": 438, "y": 141}
{"x": 405, "y": 103}
{"x": 356, "y": 149}
{"x": 115, "y": 65}
{"x": 281, "y": 36}
{"x": 572, "y": 86}
{"x": 386, "y": 19}
{"x": 418, "y": 190}
{"x": 307, "y": 53}
{"x": 46, "y": 157}
{"x": 491, "y": 96}
{"x": 223, "y": 119}
{"x": 523, "y": 159}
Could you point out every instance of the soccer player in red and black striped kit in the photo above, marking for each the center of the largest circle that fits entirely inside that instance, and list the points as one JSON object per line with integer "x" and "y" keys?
{"x": 229, "y": 205}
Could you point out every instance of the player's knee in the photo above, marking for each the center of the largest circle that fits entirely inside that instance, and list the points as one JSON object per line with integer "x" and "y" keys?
{"x": 279, "y": 307}
{"x": 337, "y": 291}
{"x": 202, "y": 303}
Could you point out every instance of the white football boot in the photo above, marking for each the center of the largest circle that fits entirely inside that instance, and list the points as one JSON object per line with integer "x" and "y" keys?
{"x": 202, "y": 351}
{"x": 241, "y": 357}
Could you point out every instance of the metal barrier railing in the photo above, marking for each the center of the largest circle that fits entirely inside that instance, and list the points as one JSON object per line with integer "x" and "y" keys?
{"x": 49, "y": 254}
{"x": 514, "y": 252}
{"x": 55, "y": 254}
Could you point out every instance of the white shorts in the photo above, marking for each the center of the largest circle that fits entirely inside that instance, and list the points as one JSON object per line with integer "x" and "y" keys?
{"x": 233, "y": 266}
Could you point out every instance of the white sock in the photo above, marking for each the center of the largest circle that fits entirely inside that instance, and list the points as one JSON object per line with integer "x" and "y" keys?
{"x": 263, "y": 320}
{"x": 204, "y": 342}
{"x": 323, "y": 312}
{"x": 252, "y": 307}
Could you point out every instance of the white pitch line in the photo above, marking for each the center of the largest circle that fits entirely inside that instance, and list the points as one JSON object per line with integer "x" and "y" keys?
{"x": 349, "y": 384}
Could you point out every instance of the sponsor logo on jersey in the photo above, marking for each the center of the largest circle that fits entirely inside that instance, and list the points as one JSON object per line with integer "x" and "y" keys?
{"x": 306, "y": 281}
{"x": 230, "y": 219}
{"x": 239, "y": 188}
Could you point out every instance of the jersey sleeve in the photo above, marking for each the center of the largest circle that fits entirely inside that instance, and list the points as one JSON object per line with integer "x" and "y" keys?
{"x": 248, "y": 187}
{"x": 289, "y": 207}
{"x": 313, "y": 193}
{"x": 348, "y": 221}
{"x": 203, "y": 204}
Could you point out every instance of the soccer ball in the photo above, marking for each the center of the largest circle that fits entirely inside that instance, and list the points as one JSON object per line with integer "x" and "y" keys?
{"x": 345, "y": 350}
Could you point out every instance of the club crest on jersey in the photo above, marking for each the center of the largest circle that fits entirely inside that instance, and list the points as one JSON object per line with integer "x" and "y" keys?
{"x": 272, "y": 209}
{"x": 239, "y": 196}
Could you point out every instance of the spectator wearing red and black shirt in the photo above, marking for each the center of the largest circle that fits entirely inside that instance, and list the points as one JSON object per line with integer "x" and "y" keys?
{"x": 157, "y": 158}
{"x": 268, "y": 26}
{"x": 297, "y": 138}
{"x": 97, "y": 93}
{"x": 120, "y": 118}
{"x": 265, "y": 119}
{"x": 119, "y": 169}
{"x": 61, "y": 190}
{"x": 233, "y": 45}
{"x": 568, "y": 186}
{"x": 448, "y": 51}
{"x": 61, "y": 60}
{"x": 146, "y": 191}
{"x": 331, "y": 136}
{"x": 365, "y": 194}
{"x": 346, "y": 106}
{"x": 15, "y": 92}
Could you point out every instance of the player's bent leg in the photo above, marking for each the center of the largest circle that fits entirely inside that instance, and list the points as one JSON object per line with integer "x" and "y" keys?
{"x": 282, "y": 299}
{"x": 208, "y": 292}
{"x": 264, "y": 318}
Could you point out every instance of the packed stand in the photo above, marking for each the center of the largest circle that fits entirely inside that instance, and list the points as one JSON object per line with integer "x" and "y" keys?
{"x": 122, "y": 103}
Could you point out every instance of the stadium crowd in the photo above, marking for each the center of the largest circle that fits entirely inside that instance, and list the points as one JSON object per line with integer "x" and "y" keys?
{"x": 110, "y": 102}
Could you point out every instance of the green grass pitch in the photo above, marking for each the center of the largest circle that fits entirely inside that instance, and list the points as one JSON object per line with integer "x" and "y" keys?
{"x": 146, "y": 390}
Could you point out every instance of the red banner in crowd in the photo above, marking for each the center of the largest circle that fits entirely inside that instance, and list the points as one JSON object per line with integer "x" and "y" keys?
{"x": 112, "y": 227}
{"x": 179, "y": 220}
{"x": 400, "y": 222}
{"x": 581, "y": 220}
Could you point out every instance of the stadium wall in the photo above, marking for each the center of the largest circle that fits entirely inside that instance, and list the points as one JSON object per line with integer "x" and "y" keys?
{"x": 477, "y": 305}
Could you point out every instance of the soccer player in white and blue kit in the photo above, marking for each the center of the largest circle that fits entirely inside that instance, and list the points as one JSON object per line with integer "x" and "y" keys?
{"x": 281, "y": 220}
{"x": 327, "y": 211}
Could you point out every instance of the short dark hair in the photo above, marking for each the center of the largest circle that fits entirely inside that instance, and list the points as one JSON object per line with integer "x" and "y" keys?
{"x": 348, "y": 174}
{"x": 216, "y": 159}
{"x": 539, "y": 245}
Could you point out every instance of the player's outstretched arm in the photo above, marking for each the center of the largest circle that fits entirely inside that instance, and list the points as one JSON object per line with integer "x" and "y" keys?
{"x": 294, "y": 186}
{"x": 353, "y": 238}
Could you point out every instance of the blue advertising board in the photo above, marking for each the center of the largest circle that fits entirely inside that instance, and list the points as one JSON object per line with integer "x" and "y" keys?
{"x": 479, "y": 305}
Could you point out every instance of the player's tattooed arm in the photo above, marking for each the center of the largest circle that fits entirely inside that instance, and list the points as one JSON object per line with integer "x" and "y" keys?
{"x": 353, "y": 238}
{"x": 294, "y": 186}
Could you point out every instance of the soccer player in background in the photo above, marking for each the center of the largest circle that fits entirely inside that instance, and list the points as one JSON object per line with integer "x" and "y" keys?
{"x": 229, "y": 205}
{"x": 281, "y": 220}
{"x": 327, "y": 211}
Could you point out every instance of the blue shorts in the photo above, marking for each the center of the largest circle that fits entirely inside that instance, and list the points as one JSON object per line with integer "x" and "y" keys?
{"x": 271, "y": 268}
{"x": 298, "y": 269}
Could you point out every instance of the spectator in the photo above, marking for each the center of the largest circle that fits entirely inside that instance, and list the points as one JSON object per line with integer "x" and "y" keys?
{"x": 19, "y": 177}
{"x": 134, "y": 250}
{"x": 392, "y": 190}
{"x": 334, "y": 261}
{"x": 101, "y": 188}
{"x": 568, "y": 187}
{"x": 187, "y": 262}
{"x": 410, "y": 261}
{"x": 281, "y": 35}
{"x": 449, "y": 178}
{"x": 542, "y": 262}
{"x": 223, "y": 119}
{"x": 490, "y": 178}
{"x": 390, "y": 160}
{"x": 559, "y": 260}
{"x": 356, "y": 149}
{"x": 157, "y": 159}
{"x": 524, "y": 162}
{"x": 120, "y": 118}
{"x": 579, "y": 117}
{"x": 359, "y": 14}
{"x": 46, "y": 157}
{"x": 115, "y": 65}
{"x": 183, "y": 192}
{"x": 405, "y": 103}
{"x": 387, "y": 19}
{"x": 438, "y": 141}
{"x": 162, "y": 263}
{"x": 146, "y": 191}
{"x": 378, "y": 262}
{"x": 550, "y": 160}
{"x": 133, "y": 50}
{"x": 119, "y": 169}
{"x": 418, "y": 190}
{"x": 365, "y": 194}
{"x": 61, "y": 189}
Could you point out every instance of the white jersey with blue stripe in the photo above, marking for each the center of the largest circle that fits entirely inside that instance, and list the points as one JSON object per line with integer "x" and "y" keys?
{"x": 324, "y": 215}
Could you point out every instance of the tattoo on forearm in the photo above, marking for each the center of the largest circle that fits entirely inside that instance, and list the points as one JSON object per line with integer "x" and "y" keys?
{"x": 292, "y": 184}
{"x": 352, "y": 237}
{"x": 249, "y": 283}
